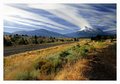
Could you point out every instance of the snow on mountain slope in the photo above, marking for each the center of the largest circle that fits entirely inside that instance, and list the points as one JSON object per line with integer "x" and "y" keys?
{"x": 86, "y": 32}
{"x": 92, "y": 30}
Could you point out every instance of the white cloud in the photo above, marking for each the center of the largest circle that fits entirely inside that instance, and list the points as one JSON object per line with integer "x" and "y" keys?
{"x": 67, "y": 13}
{"x": 20, "y": 28}
{"x": 21, "y": 23}
{"x": 99, "y": 18}
{"x": 25, "y": 14}
{"x": 80, "y": 15}
{"x": 31, "y": 23}
{"x": 45, "y": 6}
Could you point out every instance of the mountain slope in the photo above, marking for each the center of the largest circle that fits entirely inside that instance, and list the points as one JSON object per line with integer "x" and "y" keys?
{"x": 7, "y": 33}
{"x": 40, "y": 32}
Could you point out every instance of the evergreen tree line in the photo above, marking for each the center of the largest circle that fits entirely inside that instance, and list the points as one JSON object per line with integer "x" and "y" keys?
{"x": 104, "y": 37}
{"x": 10, "y": 40}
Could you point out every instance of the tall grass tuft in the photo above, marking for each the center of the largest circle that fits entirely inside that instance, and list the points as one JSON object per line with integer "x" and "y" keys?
{"x": 27, "y": 75}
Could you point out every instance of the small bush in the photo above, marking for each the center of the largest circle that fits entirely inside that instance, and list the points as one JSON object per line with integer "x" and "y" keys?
{"x": 7, "y": 42}
{"x": 23, "y": 76}
{"x": 39, "y": 63}
{"x": 79, "y": 51}
{"x": 64, "y": 54}
{"x": 35, "y": 74}
{"x": 99, "y": 44}
{"x": 57, "y": 63}
{"x": 83, "y": 51}
{"x": 27, "y": 75}
{"x": 22, "y": 41}
{"x": 45, "y": 66}
{"x": 92, "y": 48}
{"x": 72, "y": 58}
{"x": 75, "y": 50}
{"x": 77, "y": 46}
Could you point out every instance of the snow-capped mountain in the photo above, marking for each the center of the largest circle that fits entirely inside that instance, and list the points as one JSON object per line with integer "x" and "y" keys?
{"x": 92, "y": 30}
{"x": 86, "y": 32}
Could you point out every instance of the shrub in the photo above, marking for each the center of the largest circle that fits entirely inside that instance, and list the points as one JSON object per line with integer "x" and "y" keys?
{"x": 99, "y": 44}
{"x": 75, "y": 51}
{"x": 27, "y": 75}
{"x": 39, "y": 63}
{"x": 7, "y": 42}
{"x": 23, "y": 76}
{"x": 22, "y": 41}
{"x": 34, "y": 74}
{"x": 57, "y": 63}
{"x": 72, "y": 58}
{"x": 83, "y": 50}
{"x": 79, "y": 51}
{"x": 45, "y": 66}
{"x": 64, "y": 54}
{"x": 92, "y": 48}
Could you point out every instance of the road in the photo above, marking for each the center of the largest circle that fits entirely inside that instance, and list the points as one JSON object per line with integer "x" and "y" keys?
{"x": 23, "y": 48}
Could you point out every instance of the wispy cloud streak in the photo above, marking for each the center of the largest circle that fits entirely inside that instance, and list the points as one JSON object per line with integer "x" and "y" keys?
{"x": 63, "y": 18}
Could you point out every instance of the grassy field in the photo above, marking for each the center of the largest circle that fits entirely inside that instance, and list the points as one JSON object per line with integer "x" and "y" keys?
{"x": 84, "y": 60}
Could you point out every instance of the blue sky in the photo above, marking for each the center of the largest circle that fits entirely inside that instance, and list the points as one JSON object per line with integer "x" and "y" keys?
{"x": 61, "y": 18}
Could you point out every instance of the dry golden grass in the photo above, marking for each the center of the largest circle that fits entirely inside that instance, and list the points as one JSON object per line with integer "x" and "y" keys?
{"x": 95, "y": 67}
{"x": 76, "y": 71}
{"x": 15, "y": 63}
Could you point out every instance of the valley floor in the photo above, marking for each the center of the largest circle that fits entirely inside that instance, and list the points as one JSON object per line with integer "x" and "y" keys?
{"x": 84, "y": 60}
